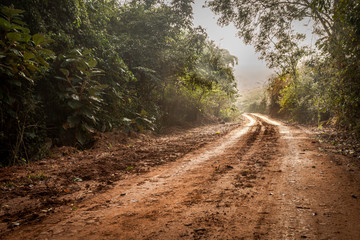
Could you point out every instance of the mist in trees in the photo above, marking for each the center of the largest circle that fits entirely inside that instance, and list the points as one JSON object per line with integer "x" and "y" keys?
{"x": 74, "y": 67}
{"x": 311, "y": 85}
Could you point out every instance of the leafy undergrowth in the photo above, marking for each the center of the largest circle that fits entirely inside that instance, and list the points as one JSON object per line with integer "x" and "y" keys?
{"x": 29, "y": 193}
{"x": 341, "y": 142}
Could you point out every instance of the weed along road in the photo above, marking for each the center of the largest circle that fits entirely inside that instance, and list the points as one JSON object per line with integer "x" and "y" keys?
{"x": 262, "y": 180}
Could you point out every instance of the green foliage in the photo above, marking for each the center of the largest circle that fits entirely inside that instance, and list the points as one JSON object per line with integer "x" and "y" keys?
{"x": 344, "y": 46}
{"x": 302, "y": 99}
{"x": 22, "y": 61}
{"x": 78, "y": 93}
{"x": 298, "y": 98}
{"x": 135, "y": 66}
{"x": 206, "y": 88}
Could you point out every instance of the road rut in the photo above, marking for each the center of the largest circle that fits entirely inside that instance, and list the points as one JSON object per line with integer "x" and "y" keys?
{"x": 264, "y": 180}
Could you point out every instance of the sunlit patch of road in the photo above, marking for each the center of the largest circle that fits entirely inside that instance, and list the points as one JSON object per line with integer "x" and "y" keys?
{"x": 190, "y": 162}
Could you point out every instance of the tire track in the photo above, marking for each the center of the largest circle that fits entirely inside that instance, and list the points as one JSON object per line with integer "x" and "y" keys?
{"x": 206, "y": 195}
{"x": 229, "y": 189}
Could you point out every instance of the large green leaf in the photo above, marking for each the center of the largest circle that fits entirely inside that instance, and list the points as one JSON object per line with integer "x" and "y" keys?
{"x": 19, "y": 22}
{"x": 11, "y": 12}
{"x": 46, "y": 52}
{"x": 4, "y": 24}
{"x": 25, "y": 37}
{"x": 92, "y": 62}
{"x": 14, "y": 36}
{"x": 38, "y": 38}
{"x": 28, "y": 55}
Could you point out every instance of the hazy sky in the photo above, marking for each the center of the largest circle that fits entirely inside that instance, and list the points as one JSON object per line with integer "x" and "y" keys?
{"x": 250, "y": 72}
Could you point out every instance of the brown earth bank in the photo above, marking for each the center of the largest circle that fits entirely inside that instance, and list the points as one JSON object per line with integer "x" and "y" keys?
{"x": 261, "y": 179}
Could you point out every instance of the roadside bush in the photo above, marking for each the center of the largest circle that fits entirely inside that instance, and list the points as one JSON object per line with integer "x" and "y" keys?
{"x": 23, "y": 61}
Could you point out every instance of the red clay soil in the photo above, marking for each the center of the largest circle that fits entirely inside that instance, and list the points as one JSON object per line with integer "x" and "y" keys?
{"x": 31, "y": 193}
{"x": 261, "y": 180}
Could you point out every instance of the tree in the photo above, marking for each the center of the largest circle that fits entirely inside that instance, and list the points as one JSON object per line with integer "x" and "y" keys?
{"x": 269, "y": 26}
{"x": 265, "y": 23}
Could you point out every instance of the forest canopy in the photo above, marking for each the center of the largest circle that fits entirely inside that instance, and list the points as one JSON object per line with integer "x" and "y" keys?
{"x": 72, "y": 68}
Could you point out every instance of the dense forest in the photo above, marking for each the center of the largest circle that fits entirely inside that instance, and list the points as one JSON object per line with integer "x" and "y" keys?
{"x": 72, "y": 68}
{"x": 317, "y": 81}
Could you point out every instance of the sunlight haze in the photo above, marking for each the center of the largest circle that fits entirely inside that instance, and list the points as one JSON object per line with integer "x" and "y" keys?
{"x": 250, "y": 72}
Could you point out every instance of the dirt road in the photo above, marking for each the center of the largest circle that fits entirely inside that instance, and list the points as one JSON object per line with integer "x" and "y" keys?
{"x": 263, "y": 180}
